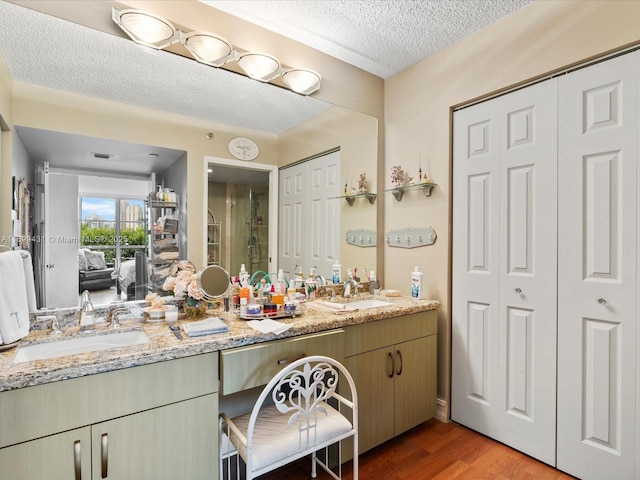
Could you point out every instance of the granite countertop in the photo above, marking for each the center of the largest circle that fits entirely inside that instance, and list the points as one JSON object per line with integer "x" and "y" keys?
{"x": 165, "y": 346}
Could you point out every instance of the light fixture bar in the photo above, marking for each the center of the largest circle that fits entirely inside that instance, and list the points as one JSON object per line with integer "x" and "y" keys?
{"x": 153, "y": 31}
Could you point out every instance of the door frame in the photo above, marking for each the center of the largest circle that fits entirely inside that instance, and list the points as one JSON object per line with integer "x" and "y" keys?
{"x": 273, "y": 202}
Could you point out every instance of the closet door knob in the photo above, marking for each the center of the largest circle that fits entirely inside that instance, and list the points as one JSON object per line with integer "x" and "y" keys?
{"x": 518, "y": 290}
{"x": 602, "y": 301}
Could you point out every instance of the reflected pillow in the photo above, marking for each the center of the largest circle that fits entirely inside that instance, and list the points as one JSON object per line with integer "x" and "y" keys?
{"x": 95, "y": 260}
{"x": 82, "y": 260}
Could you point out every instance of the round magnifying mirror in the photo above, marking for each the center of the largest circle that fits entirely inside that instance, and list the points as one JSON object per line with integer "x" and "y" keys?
{"x": 213, "y": 281}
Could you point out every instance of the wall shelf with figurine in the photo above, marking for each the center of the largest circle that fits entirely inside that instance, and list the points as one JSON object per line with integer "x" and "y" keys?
{"x": 351, "y": 198}
{"x": 426, "y": 188}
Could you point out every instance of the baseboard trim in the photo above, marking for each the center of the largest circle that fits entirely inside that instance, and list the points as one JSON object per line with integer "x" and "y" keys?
{"x": 442, "y": 412}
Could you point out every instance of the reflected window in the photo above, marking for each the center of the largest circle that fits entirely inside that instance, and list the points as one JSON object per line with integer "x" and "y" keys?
{"x": 115, "y": 226}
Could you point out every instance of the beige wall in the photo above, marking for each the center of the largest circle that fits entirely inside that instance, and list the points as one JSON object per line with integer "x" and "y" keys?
{"x": 543, "y": 37}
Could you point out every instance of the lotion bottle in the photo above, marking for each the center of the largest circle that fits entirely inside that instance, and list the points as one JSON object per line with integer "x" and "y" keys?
{"x": 336, "y": 273}
{"x": 416, "y": 283}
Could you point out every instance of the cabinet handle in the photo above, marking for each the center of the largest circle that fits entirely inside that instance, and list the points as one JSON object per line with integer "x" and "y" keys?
{"x": 286, "y": 361}
{"x": 77, "y": 464}
{"x": 399, "y": 354}
{"x": 104, "y": 454}
{"x": 393, "y": 365}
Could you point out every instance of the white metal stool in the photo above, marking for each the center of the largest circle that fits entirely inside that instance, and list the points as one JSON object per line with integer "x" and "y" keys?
{"x": 300, "y": 421}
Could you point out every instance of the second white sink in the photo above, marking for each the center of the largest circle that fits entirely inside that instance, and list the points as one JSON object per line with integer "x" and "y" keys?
{"x": 72, "y": 346}
{"x": 368, "y": 303}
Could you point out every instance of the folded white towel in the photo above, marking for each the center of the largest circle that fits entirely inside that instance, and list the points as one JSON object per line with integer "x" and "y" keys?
{"x": 269, "y": 326}
{"x": 14, "y": 301}
{"x": 207, "y": 326}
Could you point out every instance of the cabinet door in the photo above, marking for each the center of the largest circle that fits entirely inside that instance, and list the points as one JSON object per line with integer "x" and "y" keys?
{"x": 415, "y": 383}
{"x": 170, "y": 442}
{"x": 63, "y": 456}
{"x": 597, "y": 270}
{"x": 373, "y": 375}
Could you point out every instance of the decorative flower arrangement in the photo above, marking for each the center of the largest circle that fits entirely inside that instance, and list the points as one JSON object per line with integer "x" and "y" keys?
{"x": 397, "y": 176}
{"x": 184, "y": 284}
{"x": 362, "y": 183}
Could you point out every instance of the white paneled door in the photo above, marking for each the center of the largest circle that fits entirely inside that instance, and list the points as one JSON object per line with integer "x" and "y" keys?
{"x": 597, "y": 270}
{"x": 309, "y": 233}
{"x": 504, "y": 269}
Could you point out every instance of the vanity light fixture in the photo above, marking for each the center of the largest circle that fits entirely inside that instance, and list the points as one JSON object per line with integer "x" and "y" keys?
{"x": 259, "y": 66}
{"x": 208, "y": 48}
{"x": 153, "y": 31}
{"x": 145, "y": 28}
{"x": 302, "y": 81}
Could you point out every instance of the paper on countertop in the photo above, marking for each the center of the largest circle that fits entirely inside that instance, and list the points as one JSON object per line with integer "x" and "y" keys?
{"x": 269, "y": 326}
{"x": 207, "y": 326}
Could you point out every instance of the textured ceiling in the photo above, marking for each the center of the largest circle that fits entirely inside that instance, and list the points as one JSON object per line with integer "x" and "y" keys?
{"x": 381, "y": 37}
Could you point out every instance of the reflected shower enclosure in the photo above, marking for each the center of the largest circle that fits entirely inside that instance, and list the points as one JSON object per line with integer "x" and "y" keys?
{"x": 250, "y": 228}
{"x": 242, "y": 211}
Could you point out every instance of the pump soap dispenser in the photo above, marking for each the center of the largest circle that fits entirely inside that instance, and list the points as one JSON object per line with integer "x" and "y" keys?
{"x": 87, "y": 313}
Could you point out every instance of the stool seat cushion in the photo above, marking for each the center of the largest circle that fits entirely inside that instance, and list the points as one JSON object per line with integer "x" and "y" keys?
{"x": 274, "y": 440}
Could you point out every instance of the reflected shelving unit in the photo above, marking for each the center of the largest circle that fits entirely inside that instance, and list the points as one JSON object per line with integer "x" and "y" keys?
{"x": 351, "y": 197}
{"x": 398, "y": 192}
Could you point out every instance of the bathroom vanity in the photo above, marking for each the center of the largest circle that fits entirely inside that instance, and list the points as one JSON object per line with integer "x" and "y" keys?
{"x": 151, "y": 410}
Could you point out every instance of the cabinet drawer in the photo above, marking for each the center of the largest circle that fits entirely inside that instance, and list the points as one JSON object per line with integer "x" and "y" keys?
{"x": 247, "y": 367}
{"x": 33, "y": 412}
{"x": 374, "y": 335}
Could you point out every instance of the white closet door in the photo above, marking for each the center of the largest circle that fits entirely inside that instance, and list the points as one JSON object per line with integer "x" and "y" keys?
{"x": 476, "y": 268}
{"x": 597, "y": 270}
{"x": 310, "y": 215}
{"x": 504, "y": 258}
{"x": 528, "y": 280}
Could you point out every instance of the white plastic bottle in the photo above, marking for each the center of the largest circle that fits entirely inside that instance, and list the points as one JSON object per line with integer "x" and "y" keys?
{"x": 243, "y": 276}
{"x": 281, "y": 285}
{"x": 416, "y": 283}
{"x": 336, "y": 273}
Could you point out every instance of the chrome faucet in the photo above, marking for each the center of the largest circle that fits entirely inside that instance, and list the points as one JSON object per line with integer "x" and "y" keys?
{"x": 113, "y": 312}
{"x": 346, "y": 292}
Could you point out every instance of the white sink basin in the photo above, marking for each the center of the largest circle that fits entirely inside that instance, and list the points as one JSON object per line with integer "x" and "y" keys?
{"x": 369, "y": 303}
{"x": 71, "y": 346}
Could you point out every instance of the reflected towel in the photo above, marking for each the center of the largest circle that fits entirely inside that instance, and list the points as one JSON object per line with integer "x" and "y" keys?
{"x": 14, "y": 301}
{"x": 207, "y": 326}
{"x": 269, "y": 326}
{"x": 29, "y": 280}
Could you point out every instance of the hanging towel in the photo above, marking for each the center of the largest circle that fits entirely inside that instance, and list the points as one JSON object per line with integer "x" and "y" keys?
{"x": 14, "y": 301}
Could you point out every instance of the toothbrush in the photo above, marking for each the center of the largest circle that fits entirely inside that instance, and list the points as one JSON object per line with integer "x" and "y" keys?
{"x": 364, "y": 270}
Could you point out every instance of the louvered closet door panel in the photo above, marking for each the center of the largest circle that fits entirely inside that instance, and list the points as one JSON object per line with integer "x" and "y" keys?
{"x": 528, "y": 237}
{"x": 597, "y": 270}
{"x": 476, "y": 268}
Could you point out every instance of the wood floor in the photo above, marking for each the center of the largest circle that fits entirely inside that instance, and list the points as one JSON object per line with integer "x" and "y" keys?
{"x": 435, "y": 450}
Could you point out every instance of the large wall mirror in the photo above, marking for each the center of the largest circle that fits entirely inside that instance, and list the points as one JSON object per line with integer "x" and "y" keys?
{"x": 295, "y": 127}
